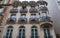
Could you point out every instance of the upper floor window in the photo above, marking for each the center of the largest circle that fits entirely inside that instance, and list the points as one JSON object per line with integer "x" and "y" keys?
{"x": 13, "y": 16}
{"x": 24, "y": 7}
{"x": 34, "y": 32}
{"x": 22, "y": 32}
{"x": 33, "y": 15}
{"x": 9, "y": 32}
{"x": 43, "y": 14}
{"x": 15, "y": 8}
{"x": 23, "y": 15}
{"x": 5, "y": 1}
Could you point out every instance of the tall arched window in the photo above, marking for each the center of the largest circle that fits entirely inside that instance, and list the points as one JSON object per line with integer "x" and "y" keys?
{"x": 47, "y": 32}
{"x": 21, "y": 32}
{"x": 34, "y": 32}
{"x": 9, "y": 32}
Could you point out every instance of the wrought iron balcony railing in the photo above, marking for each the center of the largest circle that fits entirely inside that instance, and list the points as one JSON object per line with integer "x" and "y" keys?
{"x": 33, "y": 10}
{"x": 24, "y": 3}
{"x": 45, "y": 19}
{"x": 33, "y": 3}
{"x": 42, "y": 3}
{"x": 43, "y": 7}
{"x": 22, "y": 20}
{"x": 14, "y": 10}
{"x": 16, "y": 3}
{"x": 23, "y": 10}
{"x": 11, "y": 21}
{"x": 34, "y": 20}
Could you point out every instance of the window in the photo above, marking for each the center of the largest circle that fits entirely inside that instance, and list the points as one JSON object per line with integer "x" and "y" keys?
{"x": 13, "y": 16}
{"x": 9, "y": 32}
{"x": 15, "y": 9}
{"x": 23, "y": 16}
{"x": 33, "y": 16}
{"x": 24, "y": 7}
{"x": 5, "y": 1}
{"x": 47, "y": 33}
{"x": 34, "y": 32}
{"x": 22, "y": 32}
{"x": 43, "y": 14}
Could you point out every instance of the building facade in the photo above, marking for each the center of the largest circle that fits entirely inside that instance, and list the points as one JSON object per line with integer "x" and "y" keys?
{"x": 25, "y": 20}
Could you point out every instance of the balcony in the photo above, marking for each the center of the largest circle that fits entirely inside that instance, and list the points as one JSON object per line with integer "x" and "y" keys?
{"x": 16, "y": 3}
{"x": 22, "y": 20}
{"x": 42, "y": 3}
{"x": 32, "y": 3}
{"x": 24, "y": 3}
{"x": 45, "y": 19}
{"x": 11, "y": 21}
{"x": 23, "y": 10}
{"x": 14, "y": 10}
{"x": 33, "y": 10}
{"x": 34, "y": 20}
{"x": 43, "y": 8}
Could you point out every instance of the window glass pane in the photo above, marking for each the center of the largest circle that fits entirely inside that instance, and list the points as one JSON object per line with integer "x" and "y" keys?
{"x": 47, "y": 32}
{"x": 34, "y": 33}
{"x": 23, "y": 15}
{"x": 5, "y": 1}
{"x": 9, "y": 33}
{"x": 33, "y": 15}
{"x": 13, "y": 16}
{"x": 15, "y": 8}
{"x": 42, "y": 14}
{"x": 21, "y": 32}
